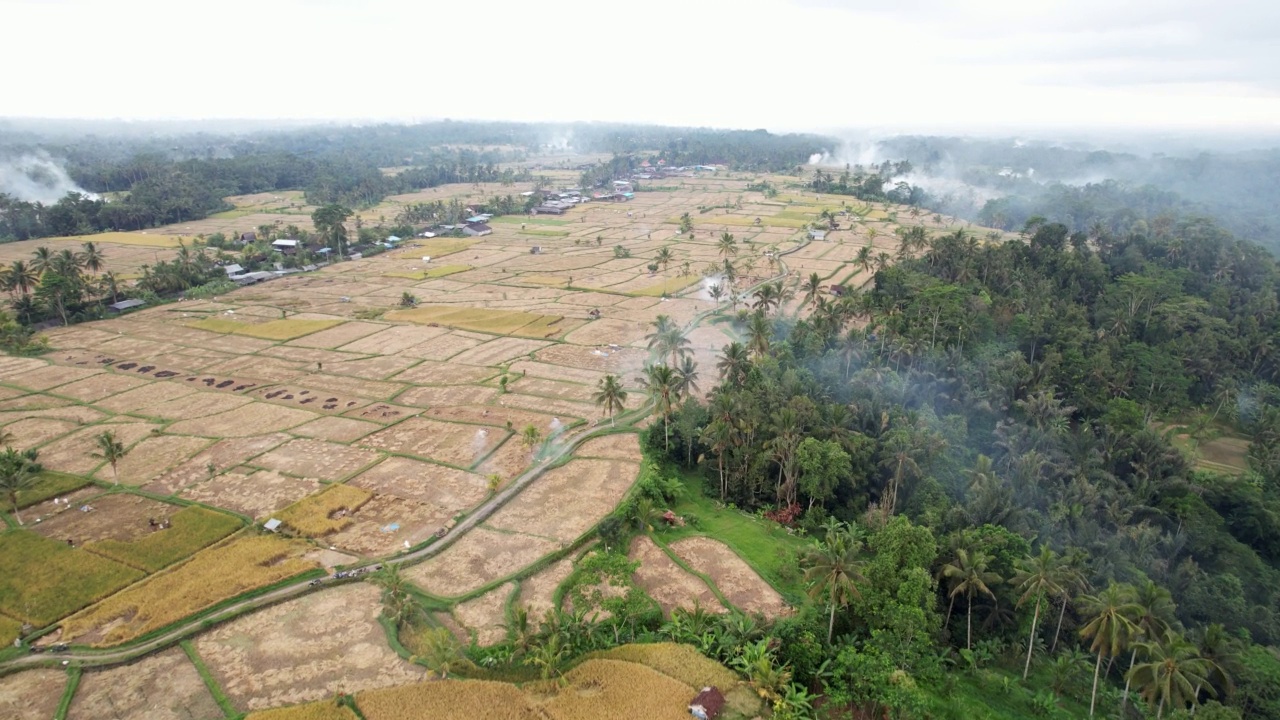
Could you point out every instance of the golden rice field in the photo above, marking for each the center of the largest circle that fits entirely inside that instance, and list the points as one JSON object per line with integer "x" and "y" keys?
{"x": 270, "y": 330}
{"x": 124, "y": 238}
{"x": 239, "y": 565}
{"x": 191, "y": 529}
{"x": 670, "y": 286}
{"x": 447, "y": 700}
{"x": 320, "y": 710}
{"x": 314, "y": 515}
{"x": 42, "y": 579}
{"x": 498, "y": 322}
{"x": 627, "y": 690}
{"x": 9, "y": 629}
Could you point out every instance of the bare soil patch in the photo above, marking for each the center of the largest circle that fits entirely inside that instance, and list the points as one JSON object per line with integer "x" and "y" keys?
{"x": 496, "y": 415}
{"x": 387, "y": 523}
{"x": 486, "y": 615}
{"x": 393, "y": 339}
{"x": 316, "y": 458}
{"x": 49, "y": 376}
{"x": 553, "y": 389}
{"x": 119, "y": 516}
{"x": 31, "y": 695}
{"x": 735, "y": 579}
{"x": 668, "y": 583}
{"x": 450, "y": 443}
{"x": 316, "y": 400}
{"x": 305, "y": 649}
{"x": 196, "y": 405}
{"x": 561, "y": 408}
{"x": 384, "y": 413}
{"x": 75, "y": 413}
{"x": 254, "y": 419}
{"x": 557, "y": 372}
{"x": 151, "y": 457}
{"x": 255, "y": 494}
{"x": 443, "y": 347}
{"x": 164, "y": 686}
{"x": 338, "y": 429}
{"x": 344, "y": 384}
{"x": 156, "y": 392}
{"x": 566, "y": 501}
{"x": 375, "y": 368}
{"x": 617, "y": 362}
{"x": 507, "y": 462}
{"x": 480, "y": 557}
{"x": 496, "y": 352}
{"x": 619, "y": 446}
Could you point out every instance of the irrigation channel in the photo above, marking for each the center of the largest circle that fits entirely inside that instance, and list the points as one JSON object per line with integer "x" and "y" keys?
{"x": 88, "y": 657}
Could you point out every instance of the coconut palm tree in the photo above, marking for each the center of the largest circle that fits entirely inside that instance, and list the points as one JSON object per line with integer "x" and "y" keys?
{"x": 716, "y": 292}
{"x": 1036, "y": 578}
{"x": 18, "y": 471}
{"x": 530, "y": 436}
{"x": 659, "y": 383}
{"x": 811, "y": 287}
{"x": 611, "y": 396}
{"x": 759, "y": 334}
{"x": 864, "y": 259}
{"x": 734, "y": 363}
{"x": 111, "y": 450}
{"x": 21, "y": 277}
{"x": 439, "y": 649}
{"x": 1155, "y": 613}
{"x": 687, "y": 376}
{"x": 1072, "y": 579}
{"x": 1110, "y": 628}
{"x": 833, "y": 570}
{"x": 664, "y": 257}
{"x": 727, "y": 246}
{"x": 92, "y": 258}
{"x": 547, "y": 657}
{"x": 1172, "y": 674}
{"x": 41, "y": 260}
{"x": 969, "y": 576}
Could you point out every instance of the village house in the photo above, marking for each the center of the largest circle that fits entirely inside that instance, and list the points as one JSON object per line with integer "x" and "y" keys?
{"x": 286, "y": 246}
{"x": 477, "y": 230}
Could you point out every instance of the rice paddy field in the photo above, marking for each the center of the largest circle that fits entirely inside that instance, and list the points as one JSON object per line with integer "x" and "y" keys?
{"x": 368, "y": 429}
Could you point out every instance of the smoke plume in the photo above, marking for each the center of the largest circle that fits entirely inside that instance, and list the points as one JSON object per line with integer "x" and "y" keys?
{"x": 36, "y": 177}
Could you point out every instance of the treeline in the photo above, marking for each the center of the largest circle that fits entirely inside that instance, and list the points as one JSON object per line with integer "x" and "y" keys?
{"x": 878, "y": 185}
{"x": 1004, "y": 397}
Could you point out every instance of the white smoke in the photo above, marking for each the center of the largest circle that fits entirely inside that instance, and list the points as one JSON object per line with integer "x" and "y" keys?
{"x": 36, "y": 177}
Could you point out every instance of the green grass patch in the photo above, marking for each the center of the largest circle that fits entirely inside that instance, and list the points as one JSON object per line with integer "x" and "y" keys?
{"x": 68, "y": 692}
{"x": 270, "y": 330}
{"x": 763, "y": 544}
{"x": 210, "y": 682}
{"x": 546, "y": 233}
{"x": 996, "y": 694}
{"x": 9, "y": 630}
{"x": 521, "y": 220}
{"x": 192, "y": 528}
{"x": 43, "y": 580}
{"x": 670, "y": 286}
{"x": 542, "y": 327}
{"x": 498, "y": 322}
{"x": 50, "y": 485}
{"x": 236, "y": 213}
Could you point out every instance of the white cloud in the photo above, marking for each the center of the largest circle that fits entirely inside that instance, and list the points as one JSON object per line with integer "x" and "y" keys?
{"x": 916, "y": 64}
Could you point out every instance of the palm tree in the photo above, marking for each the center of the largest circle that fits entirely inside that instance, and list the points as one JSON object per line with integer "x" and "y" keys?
{"x": 1172, "y": 674}
{"x": 687, "y": 377}
{"x": 969, "y": 576}
{"x": 767, "y": 297}
{"x": 659, "y": 383}
{"x": 811, "y": 288}
{"x": 547, "y": 657}
{"x": 611, "y": 396}
{"x": 1155, "y": 610}
{"x": 716, "y": 292}
{"x": 530, "y": 437}
{"x": 1036, "y": 578}
{"x": 667, "y": 339}
{"x": 727, "y": 246}
{"x": 1072, "y": 580}
{"x": 92, "y": 258}
{"x": 1223, "y": 651}
{"x": 759, "y": 334}
{"x": 833, "y": 570}
{"x": 111, "y": 450}
{"x": 864, "y": 259}
{"x": 21, "y": 277}
{"x": 664, "y": 257}
{"x": 734, "y": 364}
{"x": 41, "y": 260}
{"x": 1110, "y": 629}
{"x": 901, "y": 452}
{"x": 439, "y": 649}
{"x": 18, "y": 471}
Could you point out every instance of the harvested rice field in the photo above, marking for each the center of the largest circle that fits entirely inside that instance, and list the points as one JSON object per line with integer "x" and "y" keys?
{"x": 537, "y": 593}
{"x": 449, "y": 443}
{"x": 316, "y": 458}
{"x": 670, "y": 585}
{"x": 485, "y": 616}
{"x": 477, "y": 559}
{"x": 733, "y": 577}
{"x": 305, "y": 650}
{"x": 31, "y": 695}
{"x": 582, "y": 492}
{"x": 164, "y": 686}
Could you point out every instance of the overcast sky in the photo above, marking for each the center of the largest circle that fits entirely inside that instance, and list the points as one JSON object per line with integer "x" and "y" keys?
{"x": 780, "y": 64}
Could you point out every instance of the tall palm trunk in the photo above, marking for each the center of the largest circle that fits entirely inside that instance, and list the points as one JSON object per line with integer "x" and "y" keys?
{"x": 13, "y": 500}
{"x": 950, "y": 606}
{"x": 1057, "y": 632}
{"x": 1124, "y": 699}
{"x": 1093, "y": 697}
{"x": 1031, "y": 640}
{"x": 968, "y": 641}
{"x": 831, "y": 624}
